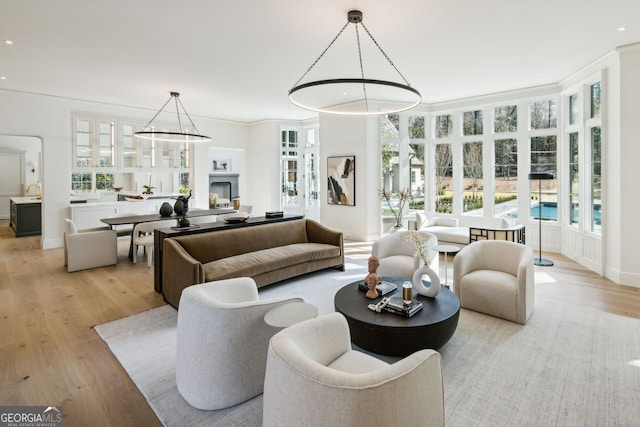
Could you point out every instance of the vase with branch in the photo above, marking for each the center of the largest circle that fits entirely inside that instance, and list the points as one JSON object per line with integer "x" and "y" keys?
{"x": 403, "y": 197}
{"x": 425, "y": 254}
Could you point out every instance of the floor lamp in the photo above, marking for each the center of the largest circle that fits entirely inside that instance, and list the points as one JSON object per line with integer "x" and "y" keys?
{"x": 540, "y": 176}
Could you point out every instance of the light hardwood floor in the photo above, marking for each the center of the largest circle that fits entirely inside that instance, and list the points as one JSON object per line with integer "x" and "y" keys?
{"x": 50, "y": 354}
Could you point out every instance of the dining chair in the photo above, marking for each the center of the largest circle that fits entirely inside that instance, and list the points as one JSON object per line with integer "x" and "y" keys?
{"x": 143, "y": 236}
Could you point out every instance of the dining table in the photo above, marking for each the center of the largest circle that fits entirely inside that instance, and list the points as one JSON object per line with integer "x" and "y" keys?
{"x": 137, "y": 219}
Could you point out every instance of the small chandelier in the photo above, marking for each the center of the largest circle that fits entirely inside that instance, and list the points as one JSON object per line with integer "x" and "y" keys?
{"x": 355, "y": 95}
{"x": 181, "y": 135}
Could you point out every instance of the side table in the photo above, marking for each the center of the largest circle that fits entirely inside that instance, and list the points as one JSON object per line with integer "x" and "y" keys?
{"x": 288, "y": 314}
{"x": 446, "y": 249}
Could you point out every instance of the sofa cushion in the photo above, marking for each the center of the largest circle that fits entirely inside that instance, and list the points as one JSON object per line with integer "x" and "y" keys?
{"x": 357, "y": 362}
{"x": 450, "y": 234}
{"x": 491, "y": 292}
{"x": 258, "y": 262}
{"x": 207, "y": 247}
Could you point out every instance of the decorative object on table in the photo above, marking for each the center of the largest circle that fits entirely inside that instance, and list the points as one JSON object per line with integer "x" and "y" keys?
{"x": 273, "y": 214}
{"x": 341, "y": 180}
{"x": 425, "y": 255}
{"x": 181, "y": 135}
{"x": 148, "y": 188}
{"x": 373, "y": 278}
{"x": 136, "y": 198}
{"x": 177, "y": 206}
{"x": 166, "y": 209}
{"x": 184, "y": 201}
{"x": 354, "y": 94}
{"x": 403, "y": 197}
{"x": 398, "y": 306}
{"x": 117, "y": 189}
{"x": 236, "y": 219}
{"x": 540, "y": 176}
{"x": 407, "y": 293}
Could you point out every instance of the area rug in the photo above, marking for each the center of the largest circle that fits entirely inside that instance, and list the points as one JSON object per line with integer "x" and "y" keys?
{"x": 567, "y": 366}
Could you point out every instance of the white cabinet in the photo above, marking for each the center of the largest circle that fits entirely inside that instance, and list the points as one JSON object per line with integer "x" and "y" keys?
{"x": 94, "y": 141}
{"x": 148, "y": 155}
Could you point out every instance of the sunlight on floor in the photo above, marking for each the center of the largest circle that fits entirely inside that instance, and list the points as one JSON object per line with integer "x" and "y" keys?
{"x": 541, "y": 277}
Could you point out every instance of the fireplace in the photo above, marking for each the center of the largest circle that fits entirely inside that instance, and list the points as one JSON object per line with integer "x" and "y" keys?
{"x": 224, "y": 184}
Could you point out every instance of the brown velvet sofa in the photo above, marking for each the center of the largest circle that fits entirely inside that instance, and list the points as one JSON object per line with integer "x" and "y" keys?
{"x": 267, "y": 253}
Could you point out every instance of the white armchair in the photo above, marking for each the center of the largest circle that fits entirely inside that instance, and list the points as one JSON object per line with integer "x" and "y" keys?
{"x": 222, "y": 342}
{"x": 90, "y": 248}
{"x": 495, "y": 277}
{"x": 314, "y": 378}
{"x": 398, "y": 256}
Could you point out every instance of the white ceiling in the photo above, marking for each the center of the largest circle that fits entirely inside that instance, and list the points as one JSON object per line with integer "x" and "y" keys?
{"x": 237, "y": 59}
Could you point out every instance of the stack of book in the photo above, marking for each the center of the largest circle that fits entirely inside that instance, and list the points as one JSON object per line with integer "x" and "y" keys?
{"x": 396, "y": 305}
{"x": 384, "y": 288}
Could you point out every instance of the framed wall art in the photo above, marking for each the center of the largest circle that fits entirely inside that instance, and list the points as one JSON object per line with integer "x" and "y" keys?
{"x": 341, "y": 180}
{"x": 221, "y": 165}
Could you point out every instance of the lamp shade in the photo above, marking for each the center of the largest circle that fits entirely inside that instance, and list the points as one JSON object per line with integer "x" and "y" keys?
{"x": 540, "y": 175}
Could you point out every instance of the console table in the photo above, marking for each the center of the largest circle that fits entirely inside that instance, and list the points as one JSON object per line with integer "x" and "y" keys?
{"x": 163, "y": 233}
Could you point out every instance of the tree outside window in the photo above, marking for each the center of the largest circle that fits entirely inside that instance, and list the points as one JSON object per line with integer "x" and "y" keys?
{"x": 505, "y": 119}
{"x": 472, "y": 170}
{"x": 505, "y": 192}
{"x": 443, "y": 126}
{"x": 472, "y": 122}
{"x": 596, "y": 180}
{"x": 544, "y": 114}
{"x": 104, "y": 181}
{"x": 444, "y": 181}
{"x": 81, "y": 181}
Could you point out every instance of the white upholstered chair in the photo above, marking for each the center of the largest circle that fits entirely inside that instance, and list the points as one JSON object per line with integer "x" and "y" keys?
{"x": 90, "y": 248}
{"x": 495, "y": 277}
{"x": 143, "y": 236}
{"x": 314, "y": 378}
{"x": 398, "y": 256}
{"x": 222, "y": 342}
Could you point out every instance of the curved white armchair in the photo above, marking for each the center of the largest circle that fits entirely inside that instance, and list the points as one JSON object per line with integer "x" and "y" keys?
{"x": 143, "y": 236}
{"x": 315, "y": 378}
{"x": 398, "y": 256}
{"x": 90, "y": 248}
{"x": 222, "y": 342}
{"x": 496, "y": 278}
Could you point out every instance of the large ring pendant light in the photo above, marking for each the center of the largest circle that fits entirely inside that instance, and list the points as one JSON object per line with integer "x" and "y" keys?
{"x": 179, "y": 135}
{"x": 355, "y": 95}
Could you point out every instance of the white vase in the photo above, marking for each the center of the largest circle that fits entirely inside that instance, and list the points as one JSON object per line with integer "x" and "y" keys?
{"x": 419, "y": 286}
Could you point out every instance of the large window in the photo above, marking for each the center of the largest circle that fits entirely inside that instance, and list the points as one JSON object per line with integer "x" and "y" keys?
{"x": 574, "y": 178}
{"x": 289, "y": 168}
{"x": 543, "y": 159}
{"x": 505, "y": 192}
{"x": 595, "y": 100}
{"x": 81, "y": 181}
{"x": 104, "y": 181}
{"x": 444, "y": 178}
{"x": 574, "y": 108}
{"x": 473, "y": 183}
{"x": 596, "y": 180}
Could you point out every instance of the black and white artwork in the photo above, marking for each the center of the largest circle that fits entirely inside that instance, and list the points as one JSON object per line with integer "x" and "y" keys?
{"x": 341, "y": 180}
{"x": 222, "y": 165}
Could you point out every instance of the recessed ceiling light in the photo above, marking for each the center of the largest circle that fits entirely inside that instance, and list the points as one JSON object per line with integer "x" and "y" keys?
{"x": 3, "y": 78}
{"x": 8, "y": 42}
{"x": 623, "y": 28}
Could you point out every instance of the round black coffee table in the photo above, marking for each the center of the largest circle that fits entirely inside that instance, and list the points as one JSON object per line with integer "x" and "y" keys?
{"x": 392, "y": 334}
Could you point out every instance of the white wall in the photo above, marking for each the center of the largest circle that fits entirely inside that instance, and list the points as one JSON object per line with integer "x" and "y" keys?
{"x": 49, "y": 118}
{"x": 263, "y": 168}
{"x": 359, "y": 137}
